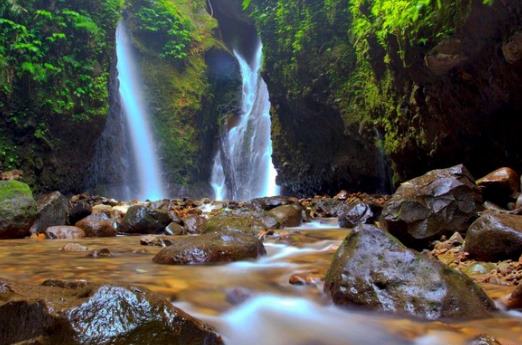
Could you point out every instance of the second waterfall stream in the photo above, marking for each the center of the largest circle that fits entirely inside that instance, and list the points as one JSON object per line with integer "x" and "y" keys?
{"x": 243, "y": 167}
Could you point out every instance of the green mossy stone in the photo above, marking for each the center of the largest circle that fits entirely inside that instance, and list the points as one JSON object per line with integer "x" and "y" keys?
{"x": 17, "y": 209}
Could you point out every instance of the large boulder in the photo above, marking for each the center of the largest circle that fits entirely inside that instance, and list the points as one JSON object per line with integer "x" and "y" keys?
{"x": 83, "y": 314}
{"x": 288, "y": 215}
{"x": 53, "y": 209}
{"x": 211, "y": 248}
{"x": 372, "y": 269}
{"x": 500, "y": 186}
{"x": 194, "y": 224}
{"x": 494, "y": 237}
{"x": 145, "y": 220}
{"x": 435, "y": 204}
{"x": 17, "y": 209}
{"x": 79, "y": 209}
{"x": 98, "y": 225}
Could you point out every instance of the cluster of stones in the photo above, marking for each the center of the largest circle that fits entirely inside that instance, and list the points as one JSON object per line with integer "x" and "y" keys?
{"x": 378, "y": 266}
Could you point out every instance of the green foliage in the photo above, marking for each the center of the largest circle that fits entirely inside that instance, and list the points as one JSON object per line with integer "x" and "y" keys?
{"x": 163, "y": 27}
{"x": 54, "y": 64}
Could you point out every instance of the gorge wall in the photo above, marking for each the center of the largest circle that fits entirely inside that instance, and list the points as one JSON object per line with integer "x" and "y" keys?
{"x": 440, "y": 81}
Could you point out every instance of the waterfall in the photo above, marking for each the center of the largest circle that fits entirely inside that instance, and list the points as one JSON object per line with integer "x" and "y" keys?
{"x": 243, "y": 167}
{"x": 149, "y": 182}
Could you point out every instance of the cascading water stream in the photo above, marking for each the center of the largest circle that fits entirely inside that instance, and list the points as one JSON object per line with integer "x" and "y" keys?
{"x": 243, "y": 167}
{"x": 149, "y": 179}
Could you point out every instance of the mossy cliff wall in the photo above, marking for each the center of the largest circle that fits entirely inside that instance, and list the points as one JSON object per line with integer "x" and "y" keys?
{"x": 189, "y": 88}
{"x": 55, "y": 62}
{"x": 440, "y": 81}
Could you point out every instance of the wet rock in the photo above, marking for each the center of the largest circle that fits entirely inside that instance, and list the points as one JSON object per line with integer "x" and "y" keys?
{"x": 500, "y": 186}
{"x": 211, "y": 248}
{"x": 514, "y": 301}
{"x": 66, "y": 284}
{"x": 342, "y": 195}
{"x": 484, "y": 340}
{"x": 327, "y": 207}
{"x": 354, "y": 214}
{"x": 245, "y": 223}
{"x": 64, "y": 232}
{"x": 512, "y": 49}
{"x": 24, "y": 319}
{"x": 175, "y": 229}
{"x": 102, "y": 208}
{"x": 52, "y": 209}
{"x": 98, "y": 225}
{"x": 305, "y": 278}
{"x": 271, "y": 202}
{"x": 495, "y": 236}
{"x": 194, "y": 224}
{"x": 435, "y": 204}
{"x": 236, "y": 296}
{"x": 100, "y": 315}
{"x": 372, "y": 269}
{"x": 145, "y": 220}
{"x": 158, "y": 241}
{"x": 100, "y": 253}
{"x": 74, "y": 247}
{"x": 447, "y": 55}
{"x": 79, "y": 209}
{"x": 17, "y": 209}
{"x": 288, "y": 215}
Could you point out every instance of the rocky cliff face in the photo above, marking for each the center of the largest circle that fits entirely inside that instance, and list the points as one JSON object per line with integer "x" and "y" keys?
{"x": 439, "y": 82}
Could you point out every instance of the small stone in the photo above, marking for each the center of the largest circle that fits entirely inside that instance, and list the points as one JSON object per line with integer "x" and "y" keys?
{"x": 64, "y": 232}
{"x": 74, "y": 247}
{"x": 305, "y": 278}
{"x": 66, "y": 284}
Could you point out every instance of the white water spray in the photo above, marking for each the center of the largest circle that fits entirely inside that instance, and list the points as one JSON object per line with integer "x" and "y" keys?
{"x": 148, "y": 169}
{"x": 243, "y": 167}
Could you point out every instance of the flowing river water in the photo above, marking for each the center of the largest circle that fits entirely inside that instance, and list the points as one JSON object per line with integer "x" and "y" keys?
{"x": 273, "y": 312}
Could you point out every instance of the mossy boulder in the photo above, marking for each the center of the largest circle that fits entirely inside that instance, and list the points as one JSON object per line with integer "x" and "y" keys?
{"x": 224, "y": 222}
{"x": 288, "y": 215}
{"x": 373, "y": 270}
{"x": 17, "y": 209}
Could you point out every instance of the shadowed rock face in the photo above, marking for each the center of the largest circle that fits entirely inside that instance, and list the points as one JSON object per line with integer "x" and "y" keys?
{"x": 495, "y": 237}
{"x": 53, "y": 209}
{"x": 211, "y": 248}
{"x": 372, "y": 269}
{"x": 84, "y": 314}
{"x": 440, "y": 202}
{"x": 144, "y": 220}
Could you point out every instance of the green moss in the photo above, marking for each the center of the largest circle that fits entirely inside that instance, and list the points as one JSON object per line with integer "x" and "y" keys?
{"x": 179, "y": 90}
{"x": 13, "y": 189}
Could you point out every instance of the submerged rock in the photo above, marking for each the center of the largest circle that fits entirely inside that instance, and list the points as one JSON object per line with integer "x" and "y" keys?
{"x": 97, "y": 225}
{"x": 104, "y": 315}
{"x": 145, "y": 220}
{"x": 53, "y": 209}
{"x": 64, "y": 232}
{"x": 211, "y": 248}
{"x": 435, "y": 204}
{"x": 288, "y": 215}
{"x": 494, "y": 237}
{"x": 372, "y": 269}
{"x": 352, "y": 215}
{"x": 17, "y": 209}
